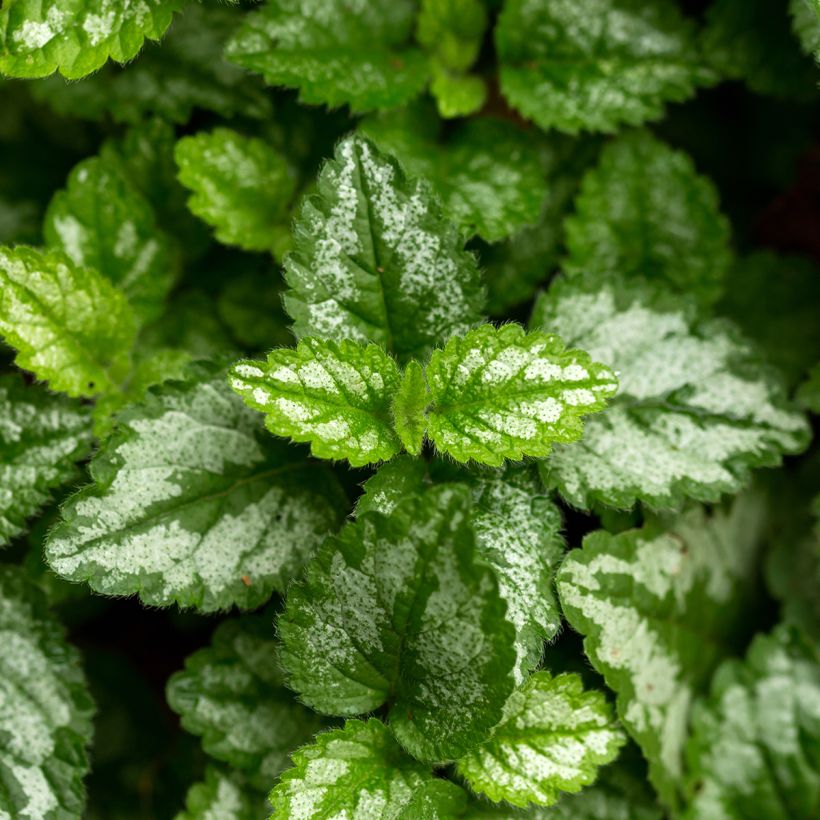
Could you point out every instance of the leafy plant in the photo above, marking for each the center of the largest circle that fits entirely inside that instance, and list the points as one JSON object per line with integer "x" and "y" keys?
{"x": 393, "y": 558}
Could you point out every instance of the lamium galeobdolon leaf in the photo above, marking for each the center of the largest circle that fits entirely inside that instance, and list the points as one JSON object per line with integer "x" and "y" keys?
{"x": 659, "y": 608}
{"x": 45, "y": 708}
{"x": 592, "y": 65}
{"x": 336, "y": 396}
{"x": 40, "y": 37}
{"x": 69, "y": 324}
{"x": 231, "y": 694}
{"x": 695, "y": 411}
{"x": 335, "y": 52}
{"x": 103, "y": 222}
{"x": 552, "y": 739}
{"x": 400, "y": 611}
{"x": 499, "y": 393}
{"x": 375, "y": 260}
{"x": 644, "y": 211}
{"x": 753, "y": 747}
{"x": 194, "y": 503}
{"x": 240, "y": 185}
{"x": 360, "y": 771}
{"x": 223, "y": 795}
{"x": 42, "y": 437}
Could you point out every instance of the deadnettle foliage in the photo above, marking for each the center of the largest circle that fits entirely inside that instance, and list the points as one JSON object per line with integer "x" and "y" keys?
{"x": 399, "y": 359}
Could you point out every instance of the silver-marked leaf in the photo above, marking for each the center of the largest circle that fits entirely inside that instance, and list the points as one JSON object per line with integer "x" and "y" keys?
{"x": 552, "y": 739}
{"x": 336, "y": 396}
{"x": 753, "y": 749}
{"x": 659, "y": 608}
{"x": 374, "y": 260}
{"x": 644, "y": 211}
{"x": 360, "y": 771}
{"x": 194, "y": 503}
{"x": 231, "y": 694}
{"x": 499, "y": 393}
{"x": 394, "y": 481}
{"x": 45, "y": 709}
{"x": 695, "y": 411}
{"x": 594, "y": 64}
{"x": 335, "y": 51}
{"x": 223, "y": 795}
{"x": 41, "y": 438}
{"x": 487, "y": 171}
{"x": 398, "y": 610}
{"x": 240, "y": 185}
{"x": 39, "y": 37}
{"x": 101, "y": 221}
{"x": 70, "y": 325}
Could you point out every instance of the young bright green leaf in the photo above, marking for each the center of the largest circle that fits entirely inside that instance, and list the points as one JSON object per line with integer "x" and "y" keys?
{"x": 39, "y": 37}
{"x": 223, "y": 795}
{"x": 754, "y": 42}
{"x": 805, "y": 16}
{"x": 399, "y": 611}
{"x": 194, "y": 503}
{"x": 659, "y": 608}
{"x": 375, "y": 260}
{"x": 408, "y": 408}
{"x": 231, "y": 694}
{"x": 501, "y": 393}
{"x": 42, "y": 436}
{"x": 70, "y": 325}
{"x": 360, "y": 771}
{"x": 336, "y": 396}
{"x": 101, "y": 221}
{"x": 753, "y": 750}
{"x": 695, "y": 410}
{"x": 594, "y": 64}
{"x": 335, "y": 52}
{"x": 457, "y": 95}
{"x": 185, "y": 71}
{"x": 552, "y": 739}
{"x": 644, "y": 211}
{"x": 45, "y": 709}
{"x": 452, "y": 30}
{"x": 487, "y": 171}
{"x": 240, "y": 186}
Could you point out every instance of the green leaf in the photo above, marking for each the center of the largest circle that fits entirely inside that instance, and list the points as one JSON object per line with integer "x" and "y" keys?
{"x": 394, "y": 481}
{"x": 194, "y": 503}
{"x": 41, "y": 438}
{"x": 408, "y": 408}
{"x": 223, "y": 795}
{"x": 336, "y": 396}
{"x": 335, "y": 52}
{"x": 101, "y": 221}
{"x": 487, "y": 171}
{"x": 659, "y": 608}
{"x": 753, "y": 751}
{"x": 39, "y": 37}
{"x": 240, "y": 186}
{"x": 231, "y": 694}
{"x": 45, "y": 709}
{"x": 501, "y": 393}
{"x": 644, "y": 211}
{"x": 695, "y": 412}
{"x": 596, "y": 64}
{"x": 754, "y": 42}
{"x": 452, "y": 30}
{"x": 809, "y": 393}
{"x": 400, "y": 611}
{"x": 457, "y": 95}
{"x": 360, "y": 771}
{"x": 552, "y": 739}
{"x": 805, "y": 16}
{"x": 374, "y": 260}
{"x": 70, "y": 325}
{"x": 185, "y": 72}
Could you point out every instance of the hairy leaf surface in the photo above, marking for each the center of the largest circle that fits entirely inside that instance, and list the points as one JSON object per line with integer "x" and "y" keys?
{"x": 223, "y": 795}
{"x": 695, "y": 410}
{"x": 45, "y": 709}
{"x": 194, "y": 503}
{"x": 398, "y": 610}
{"x": 336, "y": 396}
{"x": 374, "y": 260}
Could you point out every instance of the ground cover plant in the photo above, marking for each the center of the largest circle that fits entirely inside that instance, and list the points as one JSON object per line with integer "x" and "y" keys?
{"x": 407, "y": 409}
